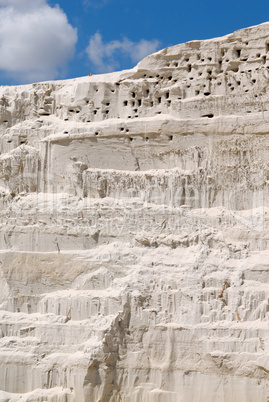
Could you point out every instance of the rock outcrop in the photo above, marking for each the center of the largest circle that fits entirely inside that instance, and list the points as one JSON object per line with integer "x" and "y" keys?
{"x": 134, "y": 230}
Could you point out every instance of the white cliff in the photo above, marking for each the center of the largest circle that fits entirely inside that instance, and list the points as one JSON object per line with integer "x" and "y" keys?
{"x": 134, "y": 240}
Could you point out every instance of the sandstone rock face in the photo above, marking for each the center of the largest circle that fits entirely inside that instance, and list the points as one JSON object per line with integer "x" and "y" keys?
{"x": 134, "y": 241}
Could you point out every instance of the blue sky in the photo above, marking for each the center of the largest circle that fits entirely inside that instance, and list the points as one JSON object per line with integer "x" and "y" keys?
{"x": 50, "y": 39}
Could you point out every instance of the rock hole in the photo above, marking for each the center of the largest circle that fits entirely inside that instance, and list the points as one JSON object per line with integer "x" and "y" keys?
{"x": 197, "y": 92}
{"x": 122, "y": 129}
{"x": 258, "y": 55}
{"x": 159, "y": 99}
{"x": 170, "y": 77}
{"x": 130, "y": 139}
{"x": 267, "y": 47}
{"x": 264, "y": 59}
{"x": 253, "y": 81}
{"x": 107, "y": 104}
{"x": 147, "y": 92}
{"x": 169, "y": 102}
{"x": 176, "y": 64}
{"x": 167, "y": 95}
{"x": 147, "y": 138}
{"x": 107, "y": 111}
{"x": 132, "y": 103}
{"x": 96, "y": 133}
{"x": 95, "y": 112}
{"x": 125, "y": 103}
{"x": 133, "y": 94}
{"x": 210, "y": 115}
{"x": 170, "y": 138}
{"x": 189, "y": 68}
{"x": 151, "y": 104}
{"x": 139, "y": 102}
{"x": 238, "y": 52}
{"x": 207, "y": 93}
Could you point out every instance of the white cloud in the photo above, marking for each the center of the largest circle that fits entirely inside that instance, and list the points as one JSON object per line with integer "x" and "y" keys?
{"x": 105, "y": 56}
{"x": 36, "y": 40}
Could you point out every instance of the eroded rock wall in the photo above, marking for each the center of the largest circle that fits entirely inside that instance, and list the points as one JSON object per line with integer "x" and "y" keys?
{"x": 134, "y": 230}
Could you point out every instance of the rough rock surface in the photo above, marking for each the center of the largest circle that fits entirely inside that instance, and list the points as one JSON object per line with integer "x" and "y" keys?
{"x": 134, "y": 261}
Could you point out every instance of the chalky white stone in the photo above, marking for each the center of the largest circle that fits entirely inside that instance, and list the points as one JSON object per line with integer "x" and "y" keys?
{"x": 134, "y": 247}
